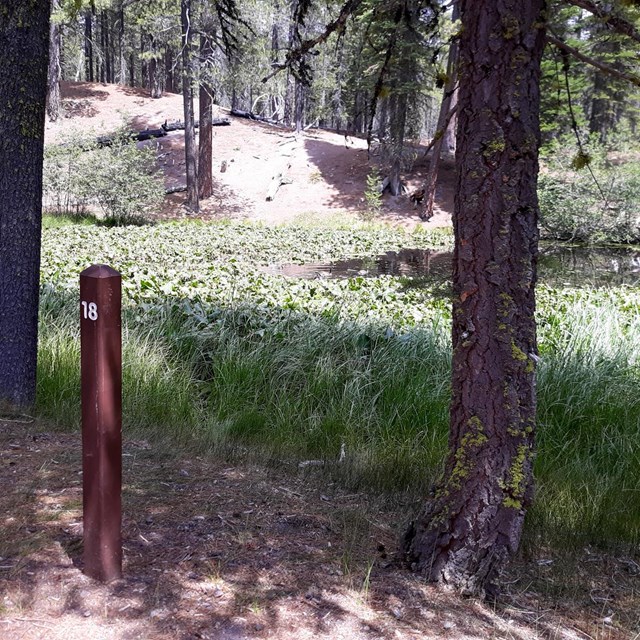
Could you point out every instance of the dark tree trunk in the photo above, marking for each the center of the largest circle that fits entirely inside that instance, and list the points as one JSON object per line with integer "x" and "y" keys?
{"x": 132, "y": 70}
{"x": 299, "y": 112}
{"x": 443, "y": 125}
{"x": 144, "y": 76}
{"x": 191, "y": 157}
{"x": 205, "y": 142}
{"x": 121, "y": 47}
{"x": 474, "y": 521}
{"x": 397, "y": 130}
{"x": 88, "y": 46}
{"x": 106, "y": 52}
{"x": 102, "y": 56}
{"x": 168, "y": 71}
{"x": 24, "y": 52}
{"x": 155, "y": 90}
{"x": 289, "y": 99}
{"x": 449, "y": 138}
{"x": 275, "y": 50}
{"x": 53, "y": 81}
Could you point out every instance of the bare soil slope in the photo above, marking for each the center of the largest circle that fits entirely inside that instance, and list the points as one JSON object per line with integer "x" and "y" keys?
{"x": 328, "y": 172}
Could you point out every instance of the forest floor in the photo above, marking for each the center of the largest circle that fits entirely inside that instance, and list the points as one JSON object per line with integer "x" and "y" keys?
{"x": 223, "y": 551}
{"x": 328, "y": 171}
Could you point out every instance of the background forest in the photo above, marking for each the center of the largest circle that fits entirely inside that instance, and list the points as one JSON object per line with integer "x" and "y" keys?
{"x": 385, "y": 71}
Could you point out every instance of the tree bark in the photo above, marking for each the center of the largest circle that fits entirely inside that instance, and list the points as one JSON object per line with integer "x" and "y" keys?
{"x": 168, "y": 70}
{"x": 443, "y": 124}
{"x": 205, "y": 142}
{"x": 121, "y": 47}
{"x": 53, "y": 77}
{"x": 24, "y": 52}
{"x": 88, "y": 46}
{"x": 132, "y": 70}
{"x": 191, "y": 158}
{"x": 107, "y": 46}
{"x": 474, "y": 521}
{"x": 299, "y": 108}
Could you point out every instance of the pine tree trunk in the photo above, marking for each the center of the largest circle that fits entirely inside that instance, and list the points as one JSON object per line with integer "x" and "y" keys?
{"x": 398, "y": 125}
{"x": 144, "y": 76}
{"x": 53, "y": 81}
{"x": 474, "y": 521}
{"x": 191, "y": 157}
{"x": 168, "y": 70}
{"x": 106, "y": 52}
{"x": 205, "y": 142}
{"x": 132, "y": 70}
{"x": 155, "y": 89}
{"x": 122, "y": 58}
{"x": 443, "y": 124}
{"x": 24, "y": 52}
{"x": 299, "y": 111}
{"x": 88, "y": 46}
{"x": 103, "y": 48}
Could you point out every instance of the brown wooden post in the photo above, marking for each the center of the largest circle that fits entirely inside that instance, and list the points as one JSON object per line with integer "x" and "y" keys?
{"x": 101, "y": 372}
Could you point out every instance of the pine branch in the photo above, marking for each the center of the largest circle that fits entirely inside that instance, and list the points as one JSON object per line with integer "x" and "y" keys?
{"x": 608, "y": 69}
{"x": 617, "y": 22}
{"x": 296, "y": 56}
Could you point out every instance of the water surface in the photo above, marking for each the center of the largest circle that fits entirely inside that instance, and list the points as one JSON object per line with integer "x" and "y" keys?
{"x": 557, "y": 266}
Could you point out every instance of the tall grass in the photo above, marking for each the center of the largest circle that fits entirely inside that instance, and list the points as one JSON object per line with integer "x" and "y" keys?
{"x": 588, "y": 465}
{"x": 302, "y": 387}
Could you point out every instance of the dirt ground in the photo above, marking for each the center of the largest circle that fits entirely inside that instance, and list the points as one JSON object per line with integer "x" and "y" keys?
{"x": 328, "y": 171}
{"x": 233, "y": 551}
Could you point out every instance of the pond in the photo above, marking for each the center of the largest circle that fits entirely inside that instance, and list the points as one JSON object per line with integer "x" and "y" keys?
{"x": 557, "y": 266}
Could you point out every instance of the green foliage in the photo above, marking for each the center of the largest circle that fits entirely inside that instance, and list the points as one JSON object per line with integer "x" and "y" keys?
{"x": 373, "y": 194}
{"x": 589, "y": 196}
{"x": 120, "y": 180}
{"x": 220, "y": 353}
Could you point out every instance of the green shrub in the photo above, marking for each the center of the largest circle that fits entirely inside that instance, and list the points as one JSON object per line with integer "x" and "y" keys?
{"x": 587, "y": 197}
{"x": 121, "y": 180}
{"x": 373, "y": 194}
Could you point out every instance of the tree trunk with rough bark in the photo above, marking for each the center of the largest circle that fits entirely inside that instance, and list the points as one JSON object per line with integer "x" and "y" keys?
{"x": 190, "y": 152}
{"x": 474, "y": 521}
{"x": 24, "y": 52}
{"x": 122, "y": 58}
{"x": 88, "y": 46}
{"x": 53, "y": 77}
{"x": 168, "y": 70}
{"x": 299, "y": 106}
{"x": 443, "y": 124}
{"x": 205, "y": 142}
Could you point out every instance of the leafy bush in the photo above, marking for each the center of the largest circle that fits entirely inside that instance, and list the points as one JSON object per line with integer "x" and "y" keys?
{"x": 589, "y": 197}
{"x": 120, "y": 180}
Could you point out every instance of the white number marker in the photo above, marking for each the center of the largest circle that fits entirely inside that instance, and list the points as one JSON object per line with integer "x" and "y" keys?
{"x": 89, "y": 310}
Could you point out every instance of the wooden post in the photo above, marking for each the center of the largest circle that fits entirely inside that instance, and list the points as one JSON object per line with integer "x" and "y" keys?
{"x": 101, "y": 373}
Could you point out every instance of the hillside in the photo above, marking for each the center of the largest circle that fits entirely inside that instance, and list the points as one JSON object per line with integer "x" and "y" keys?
{"x": 328, "y": 172}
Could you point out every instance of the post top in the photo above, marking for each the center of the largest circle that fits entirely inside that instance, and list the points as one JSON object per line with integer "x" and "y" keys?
{"x": 99, "y": 271}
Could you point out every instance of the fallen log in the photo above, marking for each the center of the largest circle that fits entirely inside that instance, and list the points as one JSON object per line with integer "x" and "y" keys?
{"x": 239, "y": 113}
{"x": 149, "y": 134}
{"x": 276, "y": 182}
{"x": 178, "y": 125}
{"x": 178, "y": 189}
{"x": 132, "y": 136}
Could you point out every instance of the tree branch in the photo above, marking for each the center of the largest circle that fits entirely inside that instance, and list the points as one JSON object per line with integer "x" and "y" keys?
{"x": 622, "y": 75}
{"x": 618, "y": 23}
{"x": 295, "y": 55}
